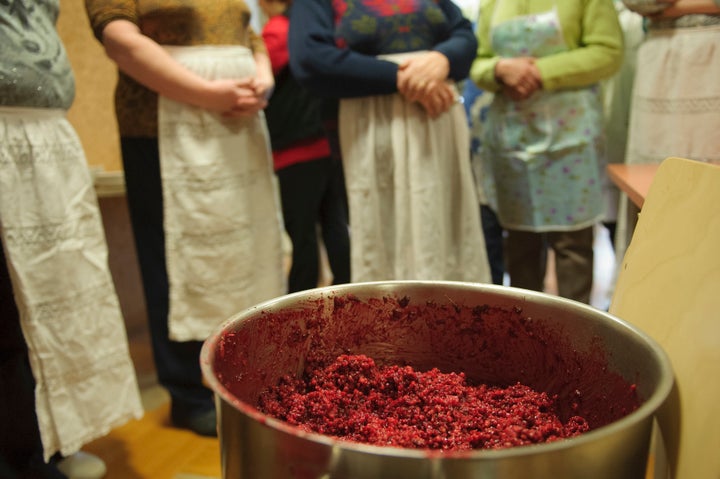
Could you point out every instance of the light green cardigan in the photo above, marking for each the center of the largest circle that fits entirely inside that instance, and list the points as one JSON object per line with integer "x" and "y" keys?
{"x": 592, "y": 33}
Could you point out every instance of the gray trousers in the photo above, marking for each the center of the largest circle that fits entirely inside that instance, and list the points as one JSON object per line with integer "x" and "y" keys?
{"x": 526, "y": 255}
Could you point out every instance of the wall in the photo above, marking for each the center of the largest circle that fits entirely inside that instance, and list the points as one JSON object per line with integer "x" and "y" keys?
{"x": 93, "y": 112}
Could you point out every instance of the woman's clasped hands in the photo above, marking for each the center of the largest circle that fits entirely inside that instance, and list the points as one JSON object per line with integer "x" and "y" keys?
{"x": 423, "y": 79}
{"x": 240, "y": 98}
{"x": 519, "y": 77}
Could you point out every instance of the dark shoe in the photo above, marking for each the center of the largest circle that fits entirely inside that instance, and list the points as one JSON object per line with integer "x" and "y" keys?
{"x": 45, "y": 471}
{"x": 204, "y": 424}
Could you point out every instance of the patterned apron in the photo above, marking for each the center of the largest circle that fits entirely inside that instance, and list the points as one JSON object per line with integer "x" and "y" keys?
{"x": 414, "y": 211}
{"x": 222, "y": 216}
{"x": 57, "y": 258}
{"x": 544, "y": 151}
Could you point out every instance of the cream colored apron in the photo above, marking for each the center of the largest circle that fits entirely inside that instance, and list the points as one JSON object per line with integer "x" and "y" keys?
{"x": 414, "y": 211}
{"x": 673, "y": 115}
{"x": 222, "y": 219}
{"x": 57, "y": 257}
{"x": 678, "y": 114}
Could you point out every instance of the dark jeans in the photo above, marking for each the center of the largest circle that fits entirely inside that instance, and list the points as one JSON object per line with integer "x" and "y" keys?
{"x": 493, "y": 232}
{"x": 312, "y": 194}
{"x": 177, "y": 363}
{"x": 21, "y": 450}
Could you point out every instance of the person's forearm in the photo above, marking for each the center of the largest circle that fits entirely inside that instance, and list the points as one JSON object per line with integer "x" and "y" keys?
{"x": 327, "y": 70}
{"x": 141, "y": 58}
{"x": 264, "y": 74}
{"x": 688, "y": 7}
{"x": 461, "y": 41}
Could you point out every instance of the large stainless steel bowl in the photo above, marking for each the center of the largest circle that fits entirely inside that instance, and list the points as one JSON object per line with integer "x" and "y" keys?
{"x": 598, "y": 365}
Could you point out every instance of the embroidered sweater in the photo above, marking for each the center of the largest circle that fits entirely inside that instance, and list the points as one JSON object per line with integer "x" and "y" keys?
{"x": 334, "y": 44}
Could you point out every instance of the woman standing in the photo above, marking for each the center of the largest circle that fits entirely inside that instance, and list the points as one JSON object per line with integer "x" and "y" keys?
{"x": 66, "y": 374}
{"x": 403, "y": 134}
{"x": 544, "y": 137}
{"x": 312, "y": 186}
{"x": 676, "y": 95}
{"x": 203, "y": 202}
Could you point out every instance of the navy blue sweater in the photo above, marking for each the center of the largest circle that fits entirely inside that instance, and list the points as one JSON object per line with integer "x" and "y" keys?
{"x": 333, "y": 43}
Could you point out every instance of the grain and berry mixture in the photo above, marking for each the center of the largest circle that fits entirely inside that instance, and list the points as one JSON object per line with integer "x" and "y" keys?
{"x": 354, "y": 399}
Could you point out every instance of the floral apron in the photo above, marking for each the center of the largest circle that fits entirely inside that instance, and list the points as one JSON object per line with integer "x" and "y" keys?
{"x": 544, "y": 151}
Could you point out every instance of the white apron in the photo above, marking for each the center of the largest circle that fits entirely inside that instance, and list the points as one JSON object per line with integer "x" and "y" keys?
{"x": 675, "y": 110}
{"x": 676, "y": 114}
{"x": 414, "y": 212}
{"x": 222, "y": 219}
{"x": 57, "y": 257}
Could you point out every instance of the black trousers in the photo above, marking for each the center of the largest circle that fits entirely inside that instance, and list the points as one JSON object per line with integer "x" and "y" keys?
{"x": 21, "y": 450}
{"x": 177, "y": 363}
{"x": 494, "y": 243}
{"x": 312, "y": 194}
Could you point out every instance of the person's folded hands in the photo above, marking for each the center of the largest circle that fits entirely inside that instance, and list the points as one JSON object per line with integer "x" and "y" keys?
{"x": 438, "y": 99}
{"x": 233, "y": 97}
{"x": 422, "y": 73}
{"x": 519, "y": 77}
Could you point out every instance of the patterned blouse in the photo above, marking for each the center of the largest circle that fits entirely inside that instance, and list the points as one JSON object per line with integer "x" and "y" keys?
{"x": 34, "y": 68}
{"x": 375, "y": 27}
{"x": 169, "y": 22}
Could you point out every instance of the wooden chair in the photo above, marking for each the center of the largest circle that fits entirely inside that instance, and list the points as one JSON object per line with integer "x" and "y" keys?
{"x": 669, "y": 286}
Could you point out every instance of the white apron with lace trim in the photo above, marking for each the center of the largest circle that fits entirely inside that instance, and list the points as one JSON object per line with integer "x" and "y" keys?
{"x": 222, "y": 219}
{"x": 57, "y": 257}
{"x": 544, "y": 152}
{"x": 672, "y": 115}
{"x": 414, "y": 213}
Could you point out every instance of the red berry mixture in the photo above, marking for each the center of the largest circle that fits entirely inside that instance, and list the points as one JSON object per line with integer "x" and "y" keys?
{"x": 354, "y": 399}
